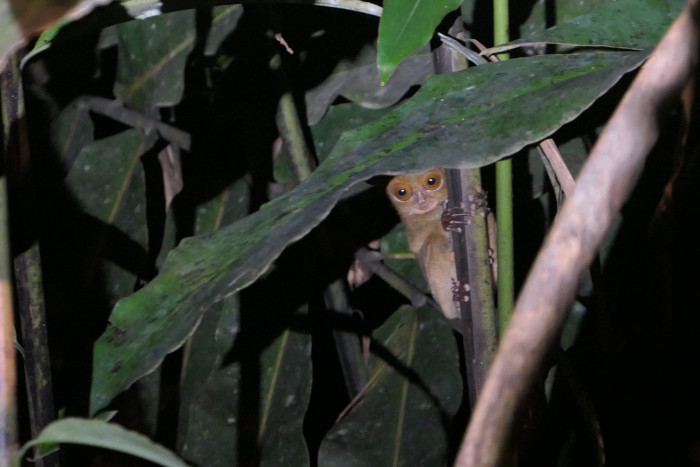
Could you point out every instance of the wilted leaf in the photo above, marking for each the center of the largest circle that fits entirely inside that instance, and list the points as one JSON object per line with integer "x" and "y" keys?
{"x": 464, "y": 119}
{"x": 171, "y": 166}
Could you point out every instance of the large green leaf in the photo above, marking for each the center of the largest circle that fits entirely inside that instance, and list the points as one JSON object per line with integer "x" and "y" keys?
{"x": 101, "y": 434}
{"x": 620, "y": 23}
{"x": 205, "y": 352}
{"x": 406, "y": 25}
{"x": 151, "y": 66}
{"x": 327, "y": 132}
{"x": 465, "y": 119}
{"x": 565, "y": 10}
{"x": 357, "y": 80}
{"x": 107, "y": 181}
{"x": 222, "y": 406}
{"x": 414, "y": 392}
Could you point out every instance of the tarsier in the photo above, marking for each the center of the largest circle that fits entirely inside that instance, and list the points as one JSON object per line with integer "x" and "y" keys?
{"x": 421, "y": 201}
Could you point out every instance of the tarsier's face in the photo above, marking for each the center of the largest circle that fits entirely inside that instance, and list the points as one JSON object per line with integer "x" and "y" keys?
{"x": 417, "y": 194}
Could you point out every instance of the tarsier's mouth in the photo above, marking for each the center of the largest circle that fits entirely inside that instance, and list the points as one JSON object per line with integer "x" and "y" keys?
{"x": 425, "y": 206}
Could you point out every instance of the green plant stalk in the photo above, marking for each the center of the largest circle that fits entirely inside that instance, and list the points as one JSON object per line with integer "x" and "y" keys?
{"x": 504, "y": 195}
{"x": 470, "y": 244}
{"x": 486, "y": 340}
{"x": 504, "y": 209}
{"x": 335, "y": 295}
{"x": 500, "y": 25}
{"x": 292, "y": 135}
{"x": 303, "y": 163}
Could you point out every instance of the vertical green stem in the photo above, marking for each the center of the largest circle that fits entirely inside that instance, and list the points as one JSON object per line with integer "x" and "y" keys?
{"x": 504, "y": 194}
{"x": 504, "y": 209}
{"x": 303, "y": 162}
{"x": 500, "y": 24}
{"x": 470, "y": 245}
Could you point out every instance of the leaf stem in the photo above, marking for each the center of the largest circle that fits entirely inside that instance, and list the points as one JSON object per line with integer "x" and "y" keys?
{"x": 504, "y": 195}
{"x": 470, "y": 245}
{"x": 303, "y": 162}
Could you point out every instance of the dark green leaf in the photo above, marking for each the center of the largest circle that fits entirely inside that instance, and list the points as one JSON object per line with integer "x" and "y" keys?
{"x": 224, "y": 20}
{"x": 101, "y": 434}
{"x": 71, "y": 131}
{"x": 325, "y": 133}
{"x": 565, "y": 10}
{"x": 406, "y": 25}
{"x": 415, "y": 389}
{"x": 151, "y": 65}
{"x": 358, "y": 81}
{"x": 622, "y": 23}
{"x": 464, "y": 119}
{"x": 214, "y": 337}
{"x": 218, "y": 412}
{"x": 107, "y": 181}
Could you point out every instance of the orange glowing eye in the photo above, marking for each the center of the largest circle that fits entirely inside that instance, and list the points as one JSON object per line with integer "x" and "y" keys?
{"x": 402, "y": 191}
{"x": 432, "y": 180}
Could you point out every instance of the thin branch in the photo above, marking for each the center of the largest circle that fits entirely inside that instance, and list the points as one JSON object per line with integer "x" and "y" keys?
{"x": 470, "y": 244}
{"x": 28, "y": 280}
{"x": 9, "y": 99}
{"x": 604, "y": 183}
{"x": 116, "y": 111}
{"x": 558, "y": 166}
{"x": 373, "y": 260}
{"x": 303, "y": 162}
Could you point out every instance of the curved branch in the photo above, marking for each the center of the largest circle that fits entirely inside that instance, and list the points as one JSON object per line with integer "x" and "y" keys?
{"x": 603, "y": 185}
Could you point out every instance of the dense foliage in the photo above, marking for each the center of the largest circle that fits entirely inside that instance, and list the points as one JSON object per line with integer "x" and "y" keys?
{"x": 201, "y": 281}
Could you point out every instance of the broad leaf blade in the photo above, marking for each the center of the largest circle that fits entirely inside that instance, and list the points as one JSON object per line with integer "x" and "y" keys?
{"x": 460, "y": 120}
{"x": 151, "y": 66}
{"x": 211, "y": 342}
{"x": 565, "y": 10}
{"x": 107, "y": 181}
{"x": 416, "y": 387}
{"x": 406, "y": 25}
{"x": 101, "y": 434}
{"x": 222, "y": 407}
{"x": 621, "y": 23}
{"x": 358, "y": 81}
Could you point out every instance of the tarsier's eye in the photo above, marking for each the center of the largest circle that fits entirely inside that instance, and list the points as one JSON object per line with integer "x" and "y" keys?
{"x": 402, "y": 191}
{"x": 432, "y": 180}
